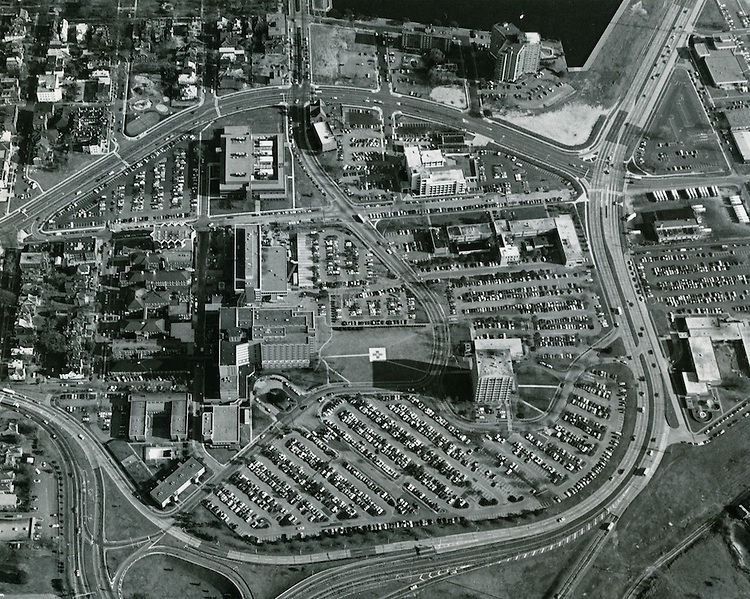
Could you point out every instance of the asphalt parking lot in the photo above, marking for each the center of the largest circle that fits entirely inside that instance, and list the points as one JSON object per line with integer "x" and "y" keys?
{"x": 381, "y": 461}
{"x": 162, "y": 186}
{"x": 703, "y": 280}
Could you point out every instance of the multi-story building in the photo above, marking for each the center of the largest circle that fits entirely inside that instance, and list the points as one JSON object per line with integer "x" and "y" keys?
{"x": 416, "y": 36}
{"x": 10, "y": 90}
{"x": 442, "y": 182}
{"x": 493, "y": 377}
{"x": 516, "y": 53}
{"x": 49, "y": 88}
{"x": 428, "y": 174}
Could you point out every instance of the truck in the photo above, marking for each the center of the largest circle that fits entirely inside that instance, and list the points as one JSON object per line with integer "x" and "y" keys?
{"x": 629, "y": 217}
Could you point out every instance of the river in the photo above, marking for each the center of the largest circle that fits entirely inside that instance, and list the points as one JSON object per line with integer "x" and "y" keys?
{"x": 577, "y": 23}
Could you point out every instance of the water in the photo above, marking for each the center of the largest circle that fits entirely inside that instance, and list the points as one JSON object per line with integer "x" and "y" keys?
{"x": 577, "y": 23}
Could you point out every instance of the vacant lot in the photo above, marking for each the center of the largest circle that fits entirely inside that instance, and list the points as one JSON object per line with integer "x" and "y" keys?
{"x": 571, "y": 124}
{"x": 692, "y": 485}
{"x": 338, "y": 60}
{"x": 709, "y": 566}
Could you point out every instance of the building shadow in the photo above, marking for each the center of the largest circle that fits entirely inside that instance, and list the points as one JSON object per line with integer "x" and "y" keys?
{"x": 453, "y": 383}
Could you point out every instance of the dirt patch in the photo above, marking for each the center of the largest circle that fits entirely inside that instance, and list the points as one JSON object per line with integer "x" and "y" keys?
{"x": 571, "y": 125}
{"x": 450, "y": 95}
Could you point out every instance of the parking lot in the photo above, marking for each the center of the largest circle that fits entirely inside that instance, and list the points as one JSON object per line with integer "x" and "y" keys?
{"x": 360, "y": 164}
{"x": 161, "y": 186}
{"x": 378, "y": 304}
{"x": 338, "y": 259}
{"x": 507, "y": 174}
{"x": 681, "y": 138}
{"x": 389, "y": 460}
{"x": 533, "y": 91}
{"x": 711, "y": 279}
{"x": 554, "y": 310}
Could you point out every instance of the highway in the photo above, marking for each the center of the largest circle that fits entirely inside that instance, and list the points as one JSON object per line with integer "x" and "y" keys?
{"x": 452, "y": 552}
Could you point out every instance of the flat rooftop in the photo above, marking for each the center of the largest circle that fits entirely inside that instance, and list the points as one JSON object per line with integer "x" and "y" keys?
{"x": 247, "y": 257}
{"x": 725, "y": 68}
{"x": 223, "y": 426}
{"x": 253, "y": 160}
{"x": 273, "y": 278}
{"x": 704, "y": 359}
{"x": 493, "y": 363}
{"x": 512, "y": 345}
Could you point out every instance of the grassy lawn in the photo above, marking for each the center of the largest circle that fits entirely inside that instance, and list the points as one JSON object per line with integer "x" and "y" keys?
{"x": 170, "y": 578}
{"x": 123, "y": 521}
{"x": 711, "y": 17}
{"x": 692, "y": 485}
{"x": 262, "y": 120}
{"x": 115, "y": 557}
{"x": 37, "y": 567}
{"x": 76, "y": 162}
{"x": 407, "y": 351}
{"x": 538, "y": 397}
{"x": 142, "y": 122}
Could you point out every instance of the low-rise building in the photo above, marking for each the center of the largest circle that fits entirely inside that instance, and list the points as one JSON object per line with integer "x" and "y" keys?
{"x": 10, "y": 90}
{"x": 143, "y": 409}
{"x": 170, "y": 489}
{"x": 220, "y": 425}
{"x": 726, "y": 69}
{"x": 325, "y": 136}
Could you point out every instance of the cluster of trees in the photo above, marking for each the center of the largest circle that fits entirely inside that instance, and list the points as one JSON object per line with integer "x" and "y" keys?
{"x": 435, "y": 67}
{"x": 11, "y": 574}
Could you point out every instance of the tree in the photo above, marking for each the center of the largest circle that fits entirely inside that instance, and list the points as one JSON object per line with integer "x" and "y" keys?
{"x": 51, "y": 341}
{"x": 434, "y": 56}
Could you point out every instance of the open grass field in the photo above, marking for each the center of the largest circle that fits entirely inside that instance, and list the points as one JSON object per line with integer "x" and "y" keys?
{"x": 691, "y": 486}
{"x": 711, "y": 18}
{"x": 123, "y": 521}
{"x": 140, "y": 123}
{"x": 170, "y": 578}
{"x": 407, "y": 355}
{"x": 39, "y": 566}
{"x": 46, "y": 179}
{"x": 336, "y": 59}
